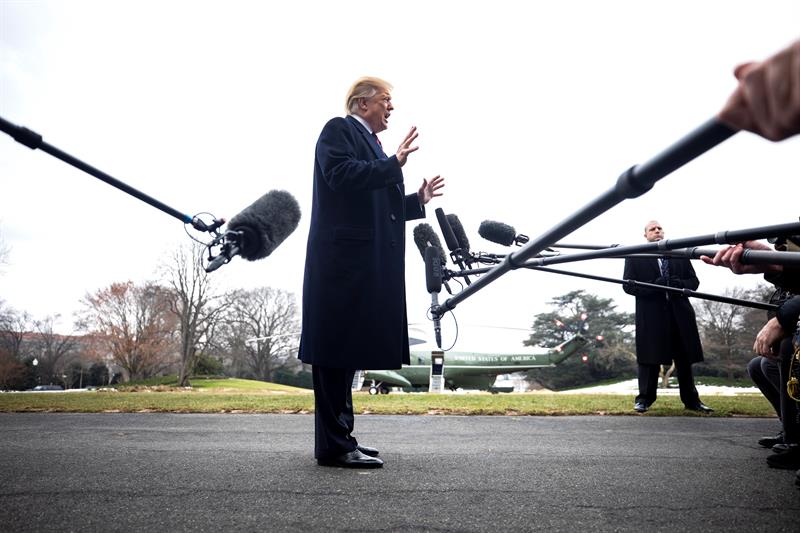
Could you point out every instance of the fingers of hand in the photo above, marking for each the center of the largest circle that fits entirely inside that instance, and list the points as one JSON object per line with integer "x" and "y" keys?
{"x": 736, "y": 112}
{"x": 411, "y": 137}
{"x": 755, "y": 90}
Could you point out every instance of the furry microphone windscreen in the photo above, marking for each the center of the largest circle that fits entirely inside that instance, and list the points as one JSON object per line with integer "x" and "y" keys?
{"x": 424, "y": 236}
{"x": 497, "y": 232}
{"x": 266, "y": 223}
{"x": 458, "y": 231}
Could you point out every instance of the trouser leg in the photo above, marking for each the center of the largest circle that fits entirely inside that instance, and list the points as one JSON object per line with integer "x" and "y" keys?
{"x": 688, "y": 391}
{"x": 648, "y": 383}
{"x": 333, "y": 411}
{"x": 765, "y": 374}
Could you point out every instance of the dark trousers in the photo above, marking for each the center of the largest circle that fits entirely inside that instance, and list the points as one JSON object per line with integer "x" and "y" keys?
{"x": 333, "y": 411}
{"x": 789, "y": 409}
{"x": 648, "y": 383}
{"x": 766, "y": 375}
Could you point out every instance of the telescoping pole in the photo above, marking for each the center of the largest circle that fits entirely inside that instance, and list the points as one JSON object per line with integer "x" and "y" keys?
{"x": 633, "y": 283}
{"x": 688, "y": 247}
{"x": 634, "y": 182}
{"x": 34, "y": 141}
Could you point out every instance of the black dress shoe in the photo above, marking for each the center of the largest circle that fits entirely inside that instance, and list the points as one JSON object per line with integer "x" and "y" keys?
{"x": 640, "y": 407}
{"x": 366, "y": 450}
{"x": 354, "y": 459}
{"x": 700, "y": 406}
{"x": 769, "y": 442}
{"x": 787, "y": 460}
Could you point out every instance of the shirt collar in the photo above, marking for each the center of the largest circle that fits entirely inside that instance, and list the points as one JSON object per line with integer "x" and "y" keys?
{"x": 363, "y": 123}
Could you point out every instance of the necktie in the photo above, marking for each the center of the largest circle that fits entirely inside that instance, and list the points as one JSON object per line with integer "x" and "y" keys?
{"x": 664, "y": 268}
{"x": 377, "y": 140}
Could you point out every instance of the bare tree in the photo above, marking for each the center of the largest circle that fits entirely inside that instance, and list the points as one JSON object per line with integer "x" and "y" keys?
{"x": 194, "y": 303}
{"x": 728, "y": 330}
{"x": 132, "y": 325}
{"x": 12, "y": 372}
{"x": 53, "y": 351}
{"x": 14, "y": 325}
{"x": 261, "y": 331}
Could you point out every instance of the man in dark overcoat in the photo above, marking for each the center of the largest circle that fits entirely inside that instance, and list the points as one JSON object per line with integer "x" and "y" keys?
{"x": 666, "y": 327}
{"x": 354, "y": 306}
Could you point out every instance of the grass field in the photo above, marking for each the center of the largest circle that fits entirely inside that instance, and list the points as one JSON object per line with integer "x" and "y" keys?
{"x": 245, "y": 396}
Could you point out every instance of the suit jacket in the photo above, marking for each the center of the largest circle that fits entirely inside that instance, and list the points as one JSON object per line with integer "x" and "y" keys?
{"x": 659, "y": 340}
{"x": 354, "y": 306}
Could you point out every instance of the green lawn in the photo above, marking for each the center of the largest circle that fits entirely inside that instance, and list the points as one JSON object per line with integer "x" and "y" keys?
{"x": 246, "y": 396}
{"x": 169, "y": 384}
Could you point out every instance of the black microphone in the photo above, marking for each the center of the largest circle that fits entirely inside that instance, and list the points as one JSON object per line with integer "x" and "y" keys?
{"x": 460, "y": 234}
{"x": 424, "y": 237}
{"x": 450, "y": 238}
{"x": 500, "y": 233}
{"x": 258, "y": 229}
{"x": 433, "y": 281}
{"x": 447, "y": 231}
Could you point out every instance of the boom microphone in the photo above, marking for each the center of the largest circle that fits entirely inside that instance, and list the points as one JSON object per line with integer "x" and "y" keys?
{"x": 266, "y": 223}
{"x": 456, "y": 253}
{"x": 425, "y": 237}
{"x": 433, "y": 281}
{"x": 257, "y": 230}
{"x": 500, "y": 233}
{"x": 447, "y": 231}
{"x": 460, "y": 234}
{"x": 433, "y": 270}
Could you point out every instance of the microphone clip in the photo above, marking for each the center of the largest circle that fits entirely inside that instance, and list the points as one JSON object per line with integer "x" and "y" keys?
{"x": 229, "y": 245}
{"x": 210, "y": 227}
{"x": 437, "y": 311}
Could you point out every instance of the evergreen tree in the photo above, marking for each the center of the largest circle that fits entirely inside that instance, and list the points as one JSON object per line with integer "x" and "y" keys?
{"x": 611, "y": 353}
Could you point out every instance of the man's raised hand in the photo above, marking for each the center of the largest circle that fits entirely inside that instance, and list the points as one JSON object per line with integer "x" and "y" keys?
{"x": 405, "y": 147}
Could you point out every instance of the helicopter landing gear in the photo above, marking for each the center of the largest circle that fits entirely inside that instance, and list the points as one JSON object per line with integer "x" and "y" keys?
{"x": 378, "y": 388}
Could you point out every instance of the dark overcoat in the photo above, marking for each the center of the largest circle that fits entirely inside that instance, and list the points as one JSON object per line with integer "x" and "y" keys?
{"x": 666, "y": 326}
{"x": 354, "y": 303}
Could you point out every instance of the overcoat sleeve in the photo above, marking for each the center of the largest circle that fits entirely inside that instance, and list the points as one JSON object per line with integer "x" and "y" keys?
{"x": 414, "y": 209}
{"x": 788, "y": 314}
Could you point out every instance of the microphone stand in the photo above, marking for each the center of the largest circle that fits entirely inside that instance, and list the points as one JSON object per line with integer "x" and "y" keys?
{"x": 582, "y": 246}
{"x": 688, "y": 247}
{"x": 33, "y": 140}
{"x": 633, "y": 283}
{"x": 748, "y": 257}
{"x": 634, "y": 182}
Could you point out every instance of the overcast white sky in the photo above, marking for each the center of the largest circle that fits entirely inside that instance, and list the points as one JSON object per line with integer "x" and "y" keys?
{"x": 530, "y": 111}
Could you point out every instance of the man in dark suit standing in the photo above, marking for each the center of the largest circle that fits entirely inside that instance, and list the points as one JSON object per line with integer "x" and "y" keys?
{"x": 666, "y": 327}
{"x": 354, "y": 306}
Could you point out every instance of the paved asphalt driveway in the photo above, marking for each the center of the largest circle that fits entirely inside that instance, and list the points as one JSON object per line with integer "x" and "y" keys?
{"x": 171, "y": 472}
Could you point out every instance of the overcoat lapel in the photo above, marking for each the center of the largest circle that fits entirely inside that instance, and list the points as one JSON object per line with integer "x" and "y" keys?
{"x": 373, "y": 144}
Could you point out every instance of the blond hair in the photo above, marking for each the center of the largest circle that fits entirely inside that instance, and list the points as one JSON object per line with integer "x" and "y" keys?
{"x": 365, "y": 87}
